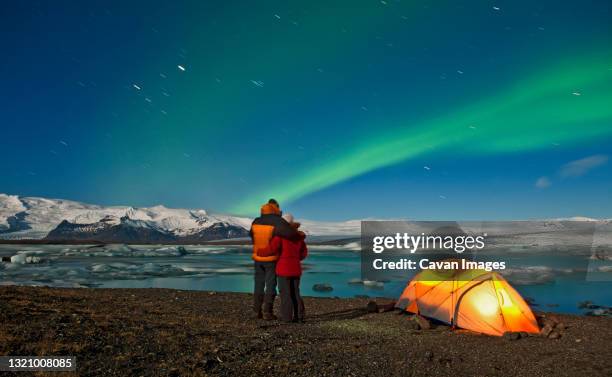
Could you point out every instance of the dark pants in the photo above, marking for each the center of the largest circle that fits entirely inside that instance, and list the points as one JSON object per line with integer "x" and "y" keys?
{"x": 292, "y": 305}
{"x": 265, "y": 286}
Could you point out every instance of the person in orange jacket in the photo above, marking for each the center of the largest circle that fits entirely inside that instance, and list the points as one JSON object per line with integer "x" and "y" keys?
{"x": 290, "y": 254}
{"x": 268, "y": 225}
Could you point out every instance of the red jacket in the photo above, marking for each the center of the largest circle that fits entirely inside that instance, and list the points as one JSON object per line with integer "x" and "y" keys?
{"x": 291, "y": 252}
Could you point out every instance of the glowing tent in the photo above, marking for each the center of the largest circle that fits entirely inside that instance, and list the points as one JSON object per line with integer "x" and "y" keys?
{"x": 476, "y": 300}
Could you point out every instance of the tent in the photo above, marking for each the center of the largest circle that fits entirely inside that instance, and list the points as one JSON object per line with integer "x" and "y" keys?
{"x": 476, "y": 300}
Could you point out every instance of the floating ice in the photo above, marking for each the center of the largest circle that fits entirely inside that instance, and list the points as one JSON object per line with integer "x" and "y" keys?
{"x": 374, "y": 284}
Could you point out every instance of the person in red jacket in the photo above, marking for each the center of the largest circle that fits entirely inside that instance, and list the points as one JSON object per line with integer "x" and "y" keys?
{"x": 291, "y": 252}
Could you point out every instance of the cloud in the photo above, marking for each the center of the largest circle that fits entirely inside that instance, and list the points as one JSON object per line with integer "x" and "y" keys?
{"x": 580, "y": 167}
{"x": 542, "y": 183}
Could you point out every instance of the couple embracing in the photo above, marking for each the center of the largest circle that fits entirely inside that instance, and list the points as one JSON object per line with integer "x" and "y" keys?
{"x": 278, "y": 249}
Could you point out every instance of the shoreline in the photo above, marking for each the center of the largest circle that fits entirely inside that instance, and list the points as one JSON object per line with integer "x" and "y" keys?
{"x": 159, "y": 332}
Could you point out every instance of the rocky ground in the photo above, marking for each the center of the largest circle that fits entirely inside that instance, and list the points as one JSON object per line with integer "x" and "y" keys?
{"x": 162, "y": 332}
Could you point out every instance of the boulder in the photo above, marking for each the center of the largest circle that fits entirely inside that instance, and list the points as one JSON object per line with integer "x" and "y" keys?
{"x": 554, "y": 335}
{"x": 322, "y": 287}
{"x": 372, "y": 307}
{"x": 386, "y": 307}
{"x": 546, "y": 330}
{"x": 511, "y": 335}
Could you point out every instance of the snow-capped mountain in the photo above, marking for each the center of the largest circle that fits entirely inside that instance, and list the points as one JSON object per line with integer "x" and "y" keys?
{"x": 66, "y": 220}
{"x": 57, "y": 219}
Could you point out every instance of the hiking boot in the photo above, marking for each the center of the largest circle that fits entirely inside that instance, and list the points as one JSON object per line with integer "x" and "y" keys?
{"x": 269, "y": 316}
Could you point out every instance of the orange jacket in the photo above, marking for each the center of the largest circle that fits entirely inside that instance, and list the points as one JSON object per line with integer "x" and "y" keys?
{"x": 264, "y": 228}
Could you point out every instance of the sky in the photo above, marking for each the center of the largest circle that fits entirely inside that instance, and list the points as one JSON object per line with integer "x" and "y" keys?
{"x": 428, "y": 110}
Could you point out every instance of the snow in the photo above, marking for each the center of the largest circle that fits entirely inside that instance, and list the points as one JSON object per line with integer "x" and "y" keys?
{"x": 9, "y": 206}
{"x": 41, "y": 215}
{"x": 36, "y": 217}
{"x": 331, "y": 228}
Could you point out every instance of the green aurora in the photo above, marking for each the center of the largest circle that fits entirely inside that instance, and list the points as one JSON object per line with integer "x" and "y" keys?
{"x": 571, "y": 103}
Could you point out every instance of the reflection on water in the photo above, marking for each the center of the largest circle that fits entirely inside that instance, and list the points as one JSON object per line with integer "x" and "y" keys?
{"x": 554, "y": 282}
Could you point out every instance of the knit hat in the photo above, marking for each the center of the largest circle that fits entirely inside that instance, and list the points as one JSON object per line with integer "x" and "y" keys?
{"x": 288, "y": 217}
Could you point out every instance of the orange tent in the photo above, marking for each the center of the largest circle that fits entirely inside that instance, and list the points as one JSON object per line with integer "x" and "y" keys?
{"x": 476, "y": 300}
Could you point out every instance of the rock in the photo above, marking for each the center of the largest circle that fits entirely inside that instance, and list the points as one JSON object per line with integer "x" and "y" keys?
{"x": 386, "y": 307}
{"x": 428, "y": 355}
{"x": 546, "y": 330}
{"x": 524, "y": 334}
{"x": 322, "y": 287}
{"x": 553, "y": 318}
{"x": 422, "y": 322}
{"x": 6, "y": 259}
{"x": 372, "y": 307}
{"x": 511, "y": 335}
{"x": 554, "y": 335}
{"x": 412, "y": 325}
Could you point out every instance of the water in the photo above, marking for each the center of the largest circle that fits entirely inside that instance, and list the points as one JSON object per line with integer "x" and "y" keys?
{"x": 554, "y": 282}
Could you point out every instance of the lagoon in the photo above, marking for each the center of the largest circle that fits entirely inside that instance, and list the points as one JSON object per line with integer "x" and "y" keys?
{"x": 550, "y": 281}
